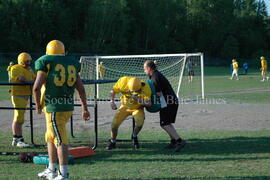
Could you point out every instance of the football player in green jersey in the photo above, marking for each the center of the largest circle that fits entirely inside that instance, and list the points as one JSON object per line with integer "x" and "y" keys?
{"x": 60, "y": 76}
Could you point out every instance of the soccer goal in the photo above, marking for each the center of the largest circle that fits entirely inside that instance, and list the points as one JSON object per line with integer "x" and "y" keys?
{"x": 178, "y": 68}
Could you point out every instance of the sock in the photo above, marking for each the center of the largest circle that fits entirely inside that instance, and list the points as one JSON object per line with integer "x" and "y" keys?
{"x": 52, "y": 166}
{"x": 64, "y": 170}
{"x": 15, "y": 136}
{"x": 20, "y": 138}
{"x": 134, "y": 135}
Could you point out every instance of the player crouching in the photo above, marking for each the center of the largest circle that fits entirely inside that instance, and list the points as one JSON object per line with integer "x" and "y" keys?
{"x": 135, "y": 95}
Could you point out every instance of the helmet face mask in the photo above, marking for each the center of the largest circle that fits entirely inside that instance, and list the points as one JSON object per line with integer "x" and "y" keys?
{"x": 27, "y": 63}
{"x": 24, "y": 59}
{"x": 55, "y": 47}
{"x": 134, "y": 93}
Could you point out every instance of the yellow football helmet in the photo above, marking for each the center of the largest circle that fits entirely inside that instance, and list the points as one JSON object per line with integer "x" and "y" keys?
{"x": 262, "y": 58}
{"x": 233, "y": 60}
{"x": 55, "y": 47}
{"x": 134, "y": 84}
{"x": 23, "y": 57}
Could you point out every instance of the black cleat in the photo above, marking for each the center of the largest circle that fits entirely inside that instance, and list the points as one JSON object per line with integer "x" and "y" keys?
{"x": 136, "y": 144}
{"x": 179, "y": 145}
{"x": 171, "y": 145}
{"x": 111, "y": 145}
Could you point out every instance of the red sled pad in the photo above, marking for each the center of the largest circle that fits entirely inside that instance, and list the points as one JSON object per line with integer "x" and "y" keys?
{"x": 79, "y": 152}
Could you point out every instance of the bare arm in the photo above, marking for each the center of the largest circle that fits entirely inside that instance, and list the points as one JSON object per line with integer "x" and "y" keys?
{"x": 112, "y": 93}
{"x": 113, "y": 105}
{"x": 80, "y": 88}
{"x": 40, "y": 80}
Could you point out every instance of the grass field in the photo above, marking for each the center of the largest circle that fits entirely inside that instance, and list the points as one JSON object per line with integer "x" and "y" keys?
{"x": 208, "y": 155}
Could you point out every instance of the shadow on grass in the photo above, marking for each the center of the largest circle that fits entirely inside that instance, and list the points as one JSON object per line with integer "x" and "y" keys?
{"x": 233, "y": 145}
{"x": 240, "y": 146}
{"x": 207, "y": 178}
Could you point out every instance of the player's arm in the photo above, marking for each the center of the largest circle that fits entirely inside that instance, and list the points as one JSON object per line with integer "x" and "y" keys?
{"x": 144, "y": 98}
{"x": 40, "y": 80}
{"x": 112, "y": 95}
{"x": 117, "y": 88}
{"x": 144, "y": 102}
{"x": 156, "y": 81}
{"x": 80, "y": 88}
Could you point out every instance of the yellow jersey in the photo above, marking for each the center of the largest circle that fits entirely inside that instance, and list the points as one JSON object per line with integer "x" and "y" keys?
{"x": 121, "y": 86}
{"x": 9, "y": 68}
{"x": 101, "y": 68}
{"x": 19, "y": 71}
{"x": 264, "y": 65}
{"x": 235, "y": 66}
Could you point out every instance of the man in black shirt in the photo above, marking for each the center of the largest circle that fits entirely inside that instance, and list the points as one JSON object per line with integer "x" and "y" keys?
{"x": 169, "y": 111}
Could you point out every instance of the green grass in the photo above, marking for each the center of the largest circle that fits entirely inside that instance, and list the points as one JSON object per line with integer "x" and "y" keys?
{"x": 208, "y": 155}
{"x": 4, "y": 94}
{"x": 250, "y": 98}
{"x": 223, "y": 83}
{"x": 218, "y": 85}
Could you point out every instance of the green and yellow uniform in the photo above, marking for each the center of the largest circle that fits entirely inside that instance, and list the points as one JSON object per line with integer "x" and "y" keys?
{"x": 129, "y": 105}
{"x": 61, "y": 74}
{"x": 20, "y": 94}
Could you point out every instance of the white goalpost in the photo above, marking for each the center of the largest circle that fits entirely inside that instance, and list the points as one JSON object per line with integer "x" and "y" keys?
{"x": 177, "y": 69}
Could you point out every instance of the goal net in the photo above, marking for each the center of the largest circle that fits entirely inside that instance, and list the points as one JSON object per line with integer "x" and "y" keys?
{"x": 184, "y": 71}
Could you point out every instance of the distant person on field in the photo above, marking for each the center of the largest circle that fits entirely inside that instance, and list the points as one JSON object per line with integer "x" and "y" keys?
{"x": 264, "y": 69}
{"x": 136, "y": 94}
{"x": 235, "y": 69}
{"x": 9, "y": 70}
{"x": 245, "y": 68}
{"x": 20, "y": 73}
{"x": 190, "y": 70}
{"x": 101, "y": 70}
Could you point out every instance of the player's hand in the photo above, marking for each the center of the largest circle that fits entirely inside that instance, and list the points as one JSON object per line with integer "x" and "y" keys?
{"x": 38, "y": 109}
{"x": 140, "y": 101}
{"x": 86, "y": 115}
{"x": 113, "y": 106}
{"x": 20, "y": 78}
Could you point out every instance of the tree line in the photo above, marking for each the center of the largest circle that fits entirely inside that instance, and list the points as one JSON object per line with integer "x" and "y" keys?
{"x": 219, "y": 28}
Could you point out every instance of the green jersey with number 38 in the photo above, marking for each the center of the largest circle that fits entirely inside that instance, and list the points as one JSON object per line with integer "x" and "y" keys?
{"x": 61, "y": 75}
